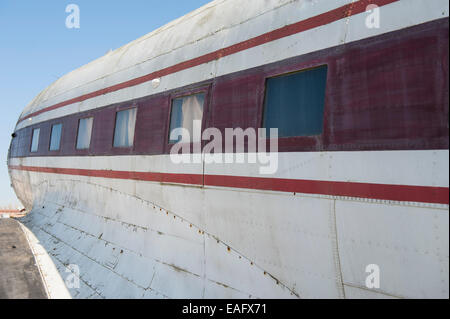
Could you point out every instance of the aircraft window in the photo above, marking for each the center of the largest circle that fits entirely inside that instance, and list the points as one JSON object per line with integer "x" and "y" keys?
{"x": 124, "y": 130}
{"x": 84, "y": 133}
{"x": 294, "y": 103}
{"x": 55, "y": 138}
{"x": 186, "y": 110}
{"x": 35, "y": 140}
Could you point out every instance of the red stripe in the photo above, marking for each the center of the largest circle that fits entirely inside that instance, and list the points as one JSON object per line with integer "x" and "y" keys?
{"x": 422, "y": 194}
{"x": 403, "y": 193}
{"x": 298, "y": 27}
{"x": 192, "y": 179}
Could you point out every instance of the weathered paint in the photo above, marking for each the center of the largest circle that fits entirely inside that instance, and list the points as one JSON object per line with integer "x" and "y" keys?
{"x": 288, "y": 30}
{"x": 403, "y": 193}
{"x": 373, "y": 188}
{"x": 384, "y": 93}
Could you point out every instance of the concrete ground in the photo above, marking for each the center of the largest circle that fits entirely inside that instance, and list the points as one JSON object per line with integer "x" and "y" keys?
{"x": 19, "y": 275}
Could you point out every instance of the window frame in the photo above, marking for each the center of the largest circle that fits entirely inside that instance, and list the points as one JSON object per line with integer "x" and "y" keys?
{"x": 206, "y": 89}
{"x": 296, "y": 143}
{"x": 88, "y": 116}
{"x": 117, "y": 110}
{"x": 60, "y": 137}
{"x": 39, "y": 138}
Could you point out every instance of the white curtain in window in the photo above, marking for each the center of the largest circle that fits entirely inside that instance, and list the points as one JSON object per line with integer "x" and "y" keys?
{"x": 125, "y": 124}
{"x": 35, "y": 140}
{"x": 192, "y": 110}
{"x": 84, "y": 133}
{"x": 131, "y": 123}
{"x": 55, "y": 139}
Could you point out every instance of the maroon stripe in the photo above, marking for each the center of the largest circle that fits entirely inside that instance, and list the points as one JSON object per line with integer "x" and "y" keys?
{"x": 298, "y": 27}
{"x": 422, "y": 194}
{"x": 139, "y": 176}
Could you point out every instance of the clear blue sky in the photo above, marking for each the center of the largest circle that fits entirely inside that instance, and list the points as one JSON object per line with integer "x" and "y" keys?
{"x": 36, "y": 48}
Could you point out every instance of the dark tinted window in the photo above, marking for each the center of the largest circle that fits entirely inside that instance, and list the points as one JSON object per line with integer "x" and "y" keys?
{"x": 294, "y": 103}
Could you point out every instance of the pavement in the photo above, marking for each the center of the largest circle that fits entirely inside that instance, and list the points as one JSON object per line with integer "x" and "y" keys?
{"x": 19, "y": 275}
